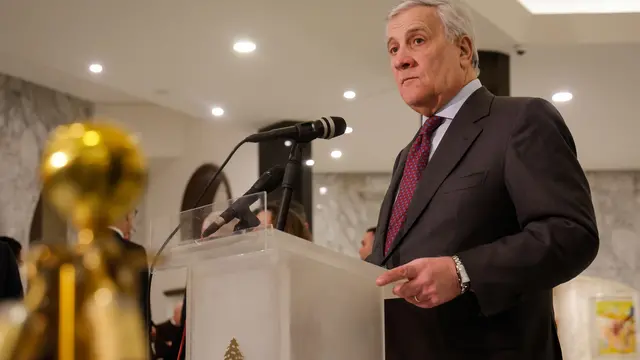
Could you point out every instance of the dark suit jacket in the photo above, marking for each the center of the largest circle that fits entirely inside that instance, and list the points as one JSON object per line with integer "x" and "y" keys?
{"x": 175, "y": 350}
{"x": 138, "y": 251}
{"x": 166, "y": 333}
{"x": 505, "y": 192}
{"x": 10, "y": 283}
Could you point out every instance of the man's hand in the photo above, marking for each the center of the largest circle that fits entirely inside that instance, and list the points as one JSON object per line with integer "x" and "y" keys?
{"x": 430, "y": 281}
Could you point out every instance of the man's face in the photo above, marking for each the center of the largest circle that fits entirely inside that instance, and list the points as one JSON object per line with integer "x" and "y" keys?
{"x": 428, "y": 68}
{"x": 366, "y": 245}
{"x": 177, "y": 314}
{"x": 128, "y": 226}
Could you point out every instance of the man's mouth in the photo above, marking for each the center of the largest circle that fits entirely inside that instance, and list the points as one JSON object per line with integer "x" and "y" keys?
{"x": 407, "y": 79}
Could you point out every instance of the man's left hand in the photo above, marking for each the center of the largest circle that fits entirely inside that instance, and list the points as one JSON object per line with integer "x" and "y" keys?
{"x": 430, "y": 281}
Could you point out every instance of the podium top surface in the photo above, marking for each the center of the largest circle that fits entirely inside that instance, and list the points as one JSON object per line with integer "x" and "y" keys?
{"x": 267, "y": 240}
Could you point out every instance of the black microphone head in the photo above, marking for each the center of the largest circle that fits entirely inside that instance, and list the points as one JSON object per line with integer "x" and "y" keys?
{"x": 333, "y": 126}
{"x": 271, "y": 179}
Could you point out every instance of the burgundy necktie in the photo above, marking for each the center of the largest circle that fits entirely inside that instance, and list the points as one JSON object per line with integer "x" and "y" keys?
{"x": 415, "y": 164}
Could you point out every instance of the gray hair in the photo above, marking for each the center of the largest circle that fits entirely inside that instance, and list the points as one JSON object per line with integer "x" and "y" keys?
{"x": 455, "y": 17}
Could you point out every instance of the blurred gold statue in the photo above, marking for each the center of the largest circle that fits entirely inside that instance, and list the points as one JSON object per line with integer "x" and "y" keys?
{"x": 75, "y": 308}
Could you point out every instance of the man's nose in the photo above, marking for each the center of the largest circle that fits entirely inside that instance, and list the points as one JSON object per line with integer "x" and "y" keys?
{"x": 404, "y": 61}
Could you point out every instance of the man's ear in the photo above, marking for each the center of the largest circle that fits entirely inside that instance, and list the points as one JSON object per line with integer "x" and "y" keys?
{"x": 466, "y": 50}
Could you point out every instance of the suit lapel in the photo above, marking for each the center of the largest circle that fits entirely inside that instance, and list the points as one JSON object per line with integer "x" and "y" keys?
{"x": 459, "y": 136}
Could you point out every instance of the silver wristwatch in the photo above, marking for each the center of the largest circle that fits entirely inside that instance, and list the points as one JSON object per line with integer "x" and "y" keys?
{"x": 463, "y": 278}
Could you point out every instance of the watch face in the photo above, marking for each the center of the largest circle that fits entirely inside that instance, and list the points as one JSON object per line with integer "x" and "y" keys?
{"x": 465, "y": 277}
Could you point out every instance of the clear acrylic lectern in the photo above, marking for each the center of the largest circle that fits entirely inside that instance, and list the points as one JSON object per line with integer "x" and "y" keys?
{"x": 272, "y": 296}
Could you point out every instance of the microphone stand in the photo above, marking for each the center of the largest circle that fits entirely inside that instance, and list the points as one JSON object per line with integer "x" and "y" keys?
{"x": 291, "y": 174}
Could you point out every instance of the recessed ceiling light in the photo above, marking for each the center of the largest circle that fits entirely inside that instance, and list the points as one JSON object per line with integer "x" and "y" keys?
{"x": 217, "y": 111}
{"x": 287, "y": 143}
{"x": 323, "y": 190}
{"x": 562, "y": 96}
{"x": 310, "y": 162}
{"x": 244, "y": 47}
{"x": 538, "y": 7}
{"x": 95, "y": 68}
{"x": 348, "y": 130}
{"x": 349, "y": 94}
{"x": 336, "y": 154}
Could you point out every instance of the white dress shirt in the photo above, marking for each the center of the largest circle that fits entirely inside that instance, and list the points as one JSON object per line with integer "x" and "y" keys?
{"x": 449, "y": 112}
{"x": 118, "y": 231}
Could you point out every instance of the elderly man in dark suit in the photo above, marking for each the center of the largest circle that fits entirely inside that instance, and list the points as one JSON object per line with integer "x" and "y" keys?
{"x": 488, "y": 208}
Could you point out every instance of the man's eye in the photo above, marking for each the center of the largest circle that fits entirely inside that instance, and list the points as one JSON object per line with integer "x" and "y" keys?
{"x": 393, "y": 50}
{"x": 418, "y": 41}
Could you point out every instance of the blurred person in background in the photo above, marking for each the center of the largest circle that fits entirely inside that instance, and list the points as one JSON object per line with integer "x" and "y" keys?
{"x": 366, "y": 244}
{"x": 15, "y": 247}
{"x": 296, "y": 225}
{"x": 122, "y": 231}
{"x": 165, "y": 333}
{"x": 10, "y": 282}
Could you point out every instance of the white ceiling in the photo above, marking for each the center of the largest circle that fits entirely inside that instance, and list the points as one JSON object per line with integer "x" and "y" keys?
{"x": 178, "y": 55}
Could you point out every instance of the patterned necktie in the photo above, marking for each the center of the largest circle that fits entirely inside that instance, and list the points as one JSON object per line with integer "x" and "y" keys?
{"x": 415, "y": 164}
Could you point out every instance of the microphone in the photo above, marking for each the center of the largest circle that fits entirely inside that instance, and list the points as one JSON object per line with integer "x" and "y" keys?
{"x": 325, "y": 128}
{"x": 268, "y": 182}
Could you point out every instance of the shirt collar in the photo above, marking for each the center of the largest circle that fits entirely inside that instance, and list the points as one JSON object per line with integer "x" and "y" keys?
{"x": 450, "y": 110}
{"x": 117, "y": 231}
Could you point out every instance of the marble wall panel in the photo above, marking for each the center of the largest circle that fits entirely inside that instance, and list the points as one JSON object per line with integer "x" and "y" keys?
{"x": 28, "y": 112}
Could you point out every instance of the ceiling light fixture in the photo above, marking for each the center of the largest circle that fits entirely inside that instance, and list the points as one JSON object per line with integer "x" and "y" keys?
{"x": 547, "y": 7}
{"x": 310, "y": 162}
{"x": 349, "y": 94}
{"x": 287, "y": 143}
{"x": 562, "y": 96}
{"x": 323, "y": 190}
{"x": 244, "y": 47}
{"x": 348, "y": 130}
{"x": 217, "y": 111}
{"x": 336, "y": 154}
{"x": 95, "y": 68}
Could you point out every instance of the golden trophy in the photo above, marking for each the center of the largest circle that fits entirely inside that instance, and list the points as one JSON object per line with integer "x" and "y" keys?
{"x": 82, "y": 299}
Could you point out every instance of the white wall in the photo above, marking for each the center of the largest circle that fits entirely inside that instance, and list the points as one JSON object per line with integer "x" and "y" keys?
{"x": 161, "y": 131}
{"x": 176, "y": 145}
{"x": 602, "y": 115}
